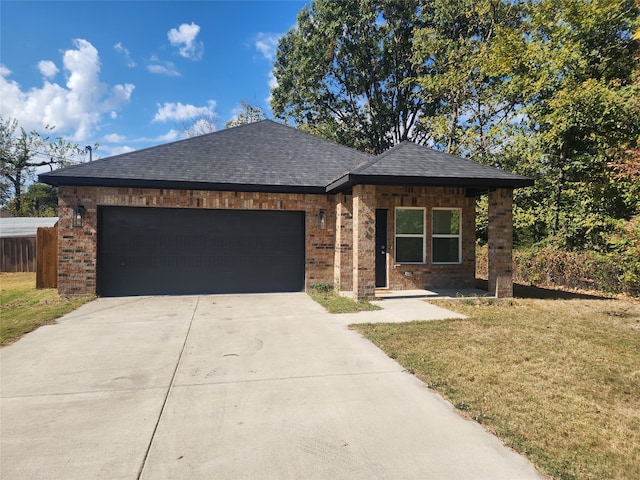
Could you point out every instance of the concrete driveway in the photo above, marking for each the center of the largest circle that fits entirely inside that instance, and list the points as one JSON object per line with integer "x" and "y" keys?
{"x": 226, "y": 387}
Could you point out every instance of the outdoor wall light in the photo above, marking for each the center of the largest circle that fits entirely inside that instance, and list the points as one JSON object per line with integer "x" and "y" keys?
{"x": 78, "y": 216}
{"x": 322, "y": 219}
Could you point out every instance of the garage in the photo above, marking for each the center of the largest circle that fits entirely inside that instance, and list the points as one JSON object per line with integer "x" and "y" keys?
{"x": 177, "y": 251}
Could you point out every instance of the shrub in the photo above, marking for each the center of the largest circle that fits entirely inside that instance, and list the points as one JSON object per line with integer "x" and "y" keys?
{"x": 615, "y": 268}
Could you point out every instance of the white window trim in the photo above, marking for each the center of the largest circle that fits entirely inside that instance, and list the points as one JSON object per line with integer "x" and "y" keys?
{"x": 447, "y": 235}
{"x": 410, "y": 235}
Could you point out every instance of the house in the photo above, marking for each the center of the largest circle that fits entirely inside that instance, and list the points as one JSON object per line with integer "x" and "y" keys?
{"x": 268, "y": 208}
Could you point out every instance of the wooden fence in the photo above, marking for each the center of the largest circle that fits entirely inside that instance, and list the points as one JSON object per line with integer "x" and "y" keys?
{"x": 47, "y": 257}
{"x": 18, "y": 254}
{"x": 32, "y": 254}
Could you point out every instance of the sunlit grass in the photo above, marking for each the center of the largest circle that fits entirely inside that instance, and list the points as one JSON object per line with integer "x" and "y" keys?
{"x": 23, "y": 308}
{"x": 326, "y": 296}
{"x": 557, "y": 380}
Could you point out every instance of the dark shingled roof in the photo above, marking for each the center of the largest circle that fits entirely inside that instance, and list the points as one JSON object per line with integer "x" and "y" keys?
{"x": 264, "y": 156}
{"x": 412, "y": 164}
{"x": 268, "y": 156}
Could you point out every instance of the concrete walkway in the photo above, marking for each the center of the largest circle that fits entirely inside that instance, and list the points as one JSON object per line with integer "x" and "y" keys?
{"x": 226, "y": 387}
{"x": 397, "y": 310}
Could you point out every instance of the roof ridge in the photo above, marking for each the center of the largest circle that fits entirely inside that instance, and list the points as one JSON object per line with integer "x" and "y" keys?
{"x": 365, "y": 165}
{"x": 318, "y": 137}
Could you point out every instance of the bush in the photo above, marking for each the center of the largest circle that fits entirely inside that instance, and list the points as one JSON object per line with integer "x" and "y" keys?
{"x": 615, "y": 268}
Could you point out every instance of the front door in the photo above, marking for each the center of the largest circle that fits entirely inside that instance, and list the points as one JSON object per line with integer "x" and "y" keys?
{"x": 381, "y": 247}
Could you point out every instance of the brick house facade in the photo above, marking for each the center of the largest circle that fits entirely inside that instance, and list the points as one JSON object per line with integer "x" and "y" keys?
{"x": 390, "y": 224}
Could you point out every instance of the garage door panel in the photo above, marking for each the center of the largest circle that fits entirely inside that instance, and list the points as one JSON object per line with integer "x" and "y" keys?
{"x": 146, "y": 251}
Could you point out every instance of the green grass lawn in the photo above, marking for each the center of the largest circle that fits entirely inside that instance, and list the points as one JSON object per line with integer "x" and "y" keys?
{"x": 557, "y": 380}
{"x": 326, "y": 296}
{"x": 24, "y": 308}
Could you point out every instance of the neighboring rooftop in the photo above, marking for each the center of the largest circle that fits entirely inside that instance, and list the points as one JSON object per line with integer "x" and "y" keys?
{"x": 24, "y": 226}
{"x": 268, "y": 156}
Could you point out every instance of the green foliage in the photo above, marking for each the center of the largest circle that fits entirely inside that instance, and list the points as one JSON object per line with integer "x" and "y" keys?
{"x": 21, "y": 153}
{"x": 544, "y": 88}
{"x": 345, "y": 72}
{"x": 40, "y": 200}
{"x": 574, "y": 62}
{"x": 248, "y": 114}
{"x": 612, "y": 268}
{"x": 470, "y": 104}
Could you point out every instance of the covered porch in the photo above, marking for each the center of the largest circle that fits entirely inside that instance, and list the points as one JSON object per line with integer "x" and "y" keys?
{"x": 399, "y": 241}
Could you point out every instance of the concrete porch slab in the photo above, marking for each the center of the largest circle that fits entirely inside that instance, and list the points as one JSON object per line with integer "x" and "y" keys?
{"x": 440, "y": 293}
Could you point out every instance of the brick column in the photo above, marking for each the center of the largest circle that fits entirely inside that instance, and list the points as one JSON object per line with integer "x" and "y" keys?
{"x": 77, "y": 246}
{"x": 500, "y": 242}
{"x": 364, "y": 241}
{"x": 343, "y": 259}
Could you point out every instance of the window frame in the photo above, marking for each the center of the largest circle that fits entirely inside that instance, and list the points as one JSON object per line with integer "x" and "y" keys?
{"x": 447, "y": 235}
{"x": 423, "y": 235}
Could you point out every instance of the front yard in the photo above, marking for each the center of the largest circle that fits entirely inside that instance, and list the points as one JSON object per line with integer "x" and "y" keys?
{"x": 557, "y": 380}
{"x": 23, "y": 308}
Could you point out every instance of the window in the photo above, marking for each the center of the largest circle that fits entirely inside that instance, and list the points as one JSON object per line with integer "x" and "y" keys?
{"x": 446, "y": 236}
{"x": 410, "y": 235}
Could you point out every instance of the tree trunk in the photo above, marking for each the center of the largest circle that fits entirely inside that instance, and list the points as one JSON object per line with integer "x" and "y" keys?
{"x": 17, "y": 192}
{"x": 558, "y": 194}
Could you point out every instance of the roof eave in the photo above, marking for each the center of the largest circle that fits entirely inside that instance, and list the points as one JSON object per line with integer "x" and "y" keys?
{"x": 178, "y": 185}
{"x": 349, "y": 180}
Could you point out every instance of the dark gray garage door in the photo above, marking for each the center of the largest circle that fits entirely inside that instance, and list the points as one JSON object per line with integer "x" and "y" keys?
{"x": 167, "y": 251}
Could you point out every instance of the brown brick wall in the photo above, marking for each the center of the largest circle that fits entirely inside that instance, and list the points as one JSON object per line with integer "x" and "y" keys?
{"x": 344, "y": 241}
{"x": 78, "y": 246}
{"x": 364, "y": 233}
{"x": 429, "y": 275}
{"x": 500, "y": 233}
{"x": 329, "y": 252}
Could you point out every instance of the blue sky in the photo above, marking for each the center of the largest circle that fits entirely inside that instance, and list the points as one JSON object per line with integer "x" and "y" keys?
{"x": 128, "y": 74}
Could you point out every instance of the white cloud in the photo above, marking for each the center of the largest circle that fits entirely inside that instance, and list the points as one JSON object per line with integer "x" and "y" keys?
{"x": 77, "y": 106}
{"x": 273, "y": 83}
{"x": 114, "y": 138}
{"x": 267, "y": 44}
{"x": 119, "y": 150}
{"x": 180, "y": 112}
{"x": 184, "y": 37}
{"x": 163, "y": 68}
{"x": 125, "y": 52}
{"x": 168, "y": 137}
{"x": 47, "y": 68}
{"x": 113, "y": 115}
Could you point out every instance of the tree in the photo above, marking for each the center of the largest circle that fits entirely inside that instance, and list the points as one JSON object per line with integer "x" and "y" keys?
{"x": 22, "y": 152}
{"x": 248, "y": 114}
{"x": 574, "y": 63}
{"x": 544, "y": 88}
{"x": 200, "y": 125}
{"x": 40, "y": 200}
{"x": 345, "y": 72}
{"x": 470, "y": 102}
